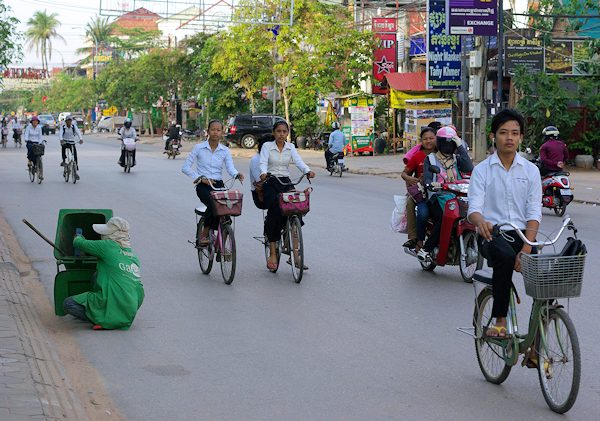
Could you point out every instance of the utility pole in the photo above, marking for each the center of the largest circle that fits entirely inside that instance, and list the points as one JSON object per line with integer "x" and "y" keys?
{"x": 500, "y": 43}
{"x": 477, "y": 96}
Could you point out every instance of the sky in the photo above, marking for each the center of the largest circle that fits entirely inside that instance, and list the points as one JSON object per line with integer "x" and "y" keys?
{"x": 74, "y": 15}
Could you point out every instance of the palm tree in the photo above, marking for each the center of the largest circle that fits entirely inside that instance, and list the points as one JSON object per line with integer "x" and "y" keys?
{"x": 98, "y": 31}
{"x": 40, "y": 32}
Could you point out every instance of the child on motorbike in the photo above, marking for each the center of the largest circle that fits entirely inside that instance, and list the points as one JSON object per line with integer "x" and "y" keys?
{"x": 413, "y": 175}
{"x": 451, "y": 159}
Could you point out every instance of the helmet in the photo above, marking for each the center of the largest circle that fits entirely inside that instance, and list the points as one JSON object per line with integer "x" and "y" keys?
{"x": 445, "y": 140}
{"x": 335, "y": 125}
{"x": 127, "y": 123}
{"x": 550, "y": 132}
{"x": 67, "y": 118}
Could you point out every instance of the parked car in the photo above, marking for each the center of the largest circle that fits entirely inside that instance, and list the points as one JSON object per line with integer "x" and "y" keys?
{"x": 245, "y": 129}
{"x": 63, "y": 115}
{"x": 48, "y": 124}
{"x": 109, "y": 123}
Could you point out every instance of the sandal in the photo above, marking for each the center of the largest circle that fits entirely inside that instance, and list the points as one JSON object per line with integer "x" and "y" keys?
{"x": 289, "y": 262}
{"x": 272, "y": 266}
{"x": 204, "y": 241}
{"x": 499, "y": 332}
{"x": 97, "y": 327}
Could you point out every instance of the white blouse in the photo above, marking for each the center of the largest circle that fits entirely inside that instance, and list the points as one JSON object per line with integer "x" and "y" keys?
{"x": 277, "y": 163}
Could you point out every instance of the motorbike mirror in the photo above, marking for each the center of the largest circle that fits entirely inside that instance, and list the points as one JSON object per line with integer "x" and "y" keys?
{"x": 528, "y": 150}
{"x": 435, "y": 169}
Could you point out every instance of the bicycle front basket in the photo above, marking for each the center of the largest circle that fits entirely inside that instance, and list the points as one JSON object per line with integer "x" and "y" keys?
{"x": 548, "y": 276}
{"x": 227, "y": 202}
{"x": 38, "y": 149}
{"x": 295, "y": 202}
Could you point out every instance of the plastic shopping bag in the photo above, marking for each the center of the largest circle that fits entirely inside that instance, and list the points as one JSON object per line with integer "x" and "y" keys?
{"x": 398, "y": 221}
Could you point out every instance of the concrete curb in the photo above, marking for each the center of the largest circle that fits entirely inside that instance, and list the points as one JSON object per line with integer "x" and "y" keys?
{"x": 35, "y": 383}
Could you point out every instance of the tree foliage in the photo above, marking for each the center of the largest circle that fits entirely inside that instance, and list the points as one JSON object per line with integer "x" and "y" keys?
{"x": 42, "y": 28}
{"x": 9, "y": 37}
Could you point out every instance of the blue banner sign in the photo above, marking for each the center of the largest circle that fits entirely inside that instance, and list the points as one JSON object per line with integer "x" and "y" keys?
{"x": 443, "y": 50}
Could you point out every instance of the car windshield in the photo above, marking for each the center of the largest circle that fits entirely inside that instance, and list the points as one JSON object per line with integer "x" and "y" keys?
{"x": 46, "y": 118}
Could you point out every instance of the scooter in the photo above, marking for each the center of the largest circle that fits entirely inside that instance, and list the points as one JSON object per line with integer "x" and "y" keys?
{"x": 338, "y": 165}
{"x": 173, "y": 148}
{"x": 556, "y": 190}
{"x": 458, "y": 239}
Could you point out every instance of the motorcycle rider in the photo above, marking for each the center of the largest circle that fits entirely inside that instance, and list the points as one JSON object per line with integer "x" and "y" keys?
{"x": 66, "y": 135}
{"x": 172, "y": 134}
{"x": 126, "y": 132}
{"x": 33, "y": 134}
{"x": 553, "y": 153}
{"x": 337, "y": 142}
{"x": 452, "y": 159}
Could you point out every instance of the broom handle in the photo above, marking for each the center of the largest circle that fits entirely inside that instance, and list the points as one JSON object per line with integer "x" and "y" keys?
{"x": 43, "y": 237}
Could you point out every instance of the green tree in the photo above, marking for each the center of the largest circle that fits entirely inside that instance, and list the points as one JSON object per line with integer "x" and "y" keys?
{"x": 42, "y": 29}
{"x": 132, "y": 42}
{"x": 9, "y": 38}
{"x": 98, "y": 32}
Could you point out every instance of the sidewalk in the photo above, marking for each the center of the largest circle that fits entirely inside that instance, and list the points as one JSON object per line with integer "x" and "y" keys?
{"x": 32, "y": 380}
{"x": 586, "y": 183}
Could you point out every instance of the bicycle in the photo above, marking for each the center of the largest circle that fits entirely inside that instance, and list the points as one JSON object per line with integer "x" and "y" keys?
{"x": 227, "y": 204}
{"x": 36, "y": 168}
{"x": 551, "y": 338}
{"x": 294, "y": 204}
{"x": 70, "y": 168}
{"x": 4, "y": 140}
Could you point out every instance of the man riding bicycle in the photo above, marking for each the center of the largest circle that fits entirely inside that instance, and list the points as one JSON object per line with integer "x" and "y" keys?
{"x": 505, "y": 188}
{"x": 67, "y": 135}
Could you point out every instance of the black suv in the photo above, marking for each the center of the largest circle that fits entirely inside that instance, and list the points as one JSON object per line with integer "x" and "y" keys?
{"x": 245, "y": 129}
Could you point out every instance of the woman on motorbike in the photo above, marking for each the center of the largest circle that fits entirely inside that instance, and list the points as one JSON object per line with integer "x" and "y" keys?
{"x": 127, "y": 132}
{"x": 413, "y": 175}
{"x": 451, "y": 159}
{"x": 205, "y": 165}
{"x": 275, "y": 159}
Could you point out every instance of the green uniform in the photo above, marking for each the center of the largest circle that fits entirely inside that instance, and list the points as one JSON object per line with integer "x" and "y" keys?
{"x": 119, "y": 293}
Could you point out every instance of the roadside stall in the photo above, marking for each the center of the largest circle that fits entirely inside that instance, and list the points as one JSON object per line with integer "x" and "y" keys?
{"x": 421, "y": 112}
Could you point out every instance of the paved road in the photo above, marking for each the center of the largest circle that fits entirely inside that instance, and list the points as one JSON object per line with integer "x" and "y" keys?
{"x": 367, "y": 335}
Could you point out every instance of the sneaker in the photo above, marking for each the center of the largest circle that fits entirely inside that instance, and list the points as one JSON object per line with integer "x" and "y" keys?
{"x": 410, "y": 244}
{"x": 423, "y": 255}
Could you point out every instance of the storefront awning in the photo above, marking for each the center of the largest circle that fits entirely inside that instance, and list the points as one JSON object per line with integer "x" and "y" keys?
{"x": 407, "y": 81}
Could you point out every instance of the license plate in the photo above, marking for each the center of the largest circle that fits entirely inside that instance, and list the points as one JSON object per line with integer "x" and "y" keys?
{"x": 341, "y": 161}
{"x": 175, "y": 147}
{"x": 566, "y": 192}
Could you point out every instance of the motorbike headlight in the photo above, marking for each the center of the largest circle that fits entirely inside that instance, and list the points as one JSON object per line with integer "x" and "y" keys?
{"x": 460, "y": 188}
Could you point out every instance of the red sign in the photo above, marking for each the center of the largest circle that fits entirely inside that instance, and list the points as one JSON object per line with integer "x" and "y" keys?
{"x": 384, "y": 25}
{"x": 384, "y": 62}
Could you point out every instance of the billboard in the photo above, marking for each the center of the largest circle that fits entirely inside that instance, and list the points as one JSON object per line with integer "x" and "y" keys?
{"x": 473, "y": 17}
{"x": 443, "y": 50}
{"x": 523, "y": 51}
{"x": 385, "y": 56}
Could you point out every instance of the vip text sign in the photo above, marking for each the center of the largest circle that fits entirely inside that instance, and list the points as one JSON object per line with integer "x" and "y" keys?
{"x": 443, "y": 50}
{"x": 385, "y": 56}
{"x": 473, "y": 17}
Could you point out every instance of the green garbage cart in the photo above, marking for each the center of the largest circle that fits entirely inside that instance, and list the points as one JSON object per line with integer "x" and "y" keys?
{"x": 74, "y": 269}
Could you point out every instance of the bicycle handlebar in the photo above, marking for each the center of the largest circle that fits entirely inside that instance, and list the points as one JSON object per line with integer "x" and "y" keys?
{"x": 567, "y": 224}
{"x": 225, "y": 186}
{"x": 271, "y": 176}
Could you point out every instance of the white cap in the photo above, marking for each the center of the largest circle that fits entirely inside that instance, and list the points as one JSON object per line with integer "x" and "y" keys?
{"x": 113, "y": 225}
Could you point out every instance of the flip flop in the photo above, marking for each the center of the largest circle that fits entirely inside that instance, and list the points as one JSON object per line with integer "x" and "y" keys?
{"x": 204, "y": 241}
{"x": 289, "y": 262}
{"x": 97, "y": 327}
{"x": 272, "y": 266}
{"x": 500, "y": 332}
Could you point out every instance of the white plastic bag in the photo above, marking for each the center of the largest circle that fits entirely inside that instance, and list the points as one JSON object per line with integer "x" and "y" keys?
{"x": 398, "y": 222}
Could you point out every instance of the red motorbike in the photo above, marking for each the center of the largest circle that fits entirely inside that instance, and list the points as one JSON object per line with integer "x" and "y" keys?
{"x": 458, "y": 239}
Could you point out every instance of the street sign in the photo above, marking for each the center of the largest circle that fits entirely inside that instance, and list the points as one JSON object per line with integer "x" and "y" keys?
{"x": 473, "y": 17}
{"x": 111, "y": 110}
{"x": 443, "y": 51}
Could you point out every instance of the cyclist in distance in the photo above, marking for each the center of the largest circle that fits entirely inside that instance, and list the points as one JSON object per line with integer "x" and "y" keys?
{"x": 206, "y": 162}
{"x": 505, "y": 187}
{"x": 67, "y": 135}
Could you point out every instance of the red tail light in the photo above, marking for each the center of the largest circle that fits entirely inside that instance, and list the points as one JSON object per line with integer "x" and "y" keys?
{"x": 232, "y": 129}
{"x": 565, "y": 181}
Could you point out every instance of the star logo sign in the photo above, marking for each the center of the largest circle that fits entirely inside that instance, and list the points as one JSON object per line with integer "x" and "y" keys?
{"x": 384, "y": 66}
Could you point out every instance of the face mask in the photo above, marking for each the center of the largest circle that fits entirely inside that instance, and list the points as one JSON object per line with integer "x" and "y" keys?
{"x": 447, "y": 148}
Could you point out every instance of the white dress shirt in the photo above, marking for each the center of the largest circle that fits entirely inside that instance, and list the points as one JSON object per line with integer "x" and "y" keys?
{"x": 278, "y": 163}
{"x": 254, "y": 171}
{"x": 203, "y": 162}
{"x": 500, "y": 195}
{"x": 68, "y": 134}
{"x": 33, "y": 134}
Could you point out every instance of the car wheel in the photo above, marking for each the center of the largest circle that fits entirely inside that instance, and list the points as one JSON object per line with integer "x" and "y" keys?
{"x": 248, "y": 141}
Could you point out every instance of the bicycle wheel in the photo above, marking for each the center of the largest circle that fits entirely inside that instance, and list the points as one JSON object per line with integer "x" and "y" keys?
{"x": 32, "y": 171}
{"x": 66, "y": 172}
{"x": 74, "y": 171}
{"x": 205, "y": 254}
{"x": 40, "y": 170}
{"x": 473, "y": 260}
{"x": 490, "y": 356}
{"x": 296, "y": 248}
{"x": 559, "y": 362}
{"x": 228, "y": 254}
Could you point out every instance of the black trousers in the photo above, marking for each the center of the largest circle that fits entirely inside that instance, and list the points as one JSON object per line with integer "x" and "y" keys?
{"x": 436, "y": 213}
{"x": 275, "y": 220}
{"x": 64, "y": 148}
{"x": 501, "y": 254}
{"x": 122, "y": 158}
{"x": 203, "y": 192}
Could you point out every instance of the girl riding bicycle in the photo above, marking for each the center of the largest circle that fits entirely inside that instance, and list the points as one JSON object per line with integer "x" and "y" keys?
{"x": 206, "y": 162}
{"x": 275, "y": 159}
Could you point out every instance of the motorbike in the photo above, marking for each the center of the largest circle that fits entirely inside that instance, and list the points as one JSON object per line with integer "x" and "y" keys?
{"x": 128, "y": 159}
{"x": 338, "y": 165}
{"x": 173, "y": 148}
{"x": 556, "y": 190}
{"x": 458, "y": 239}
